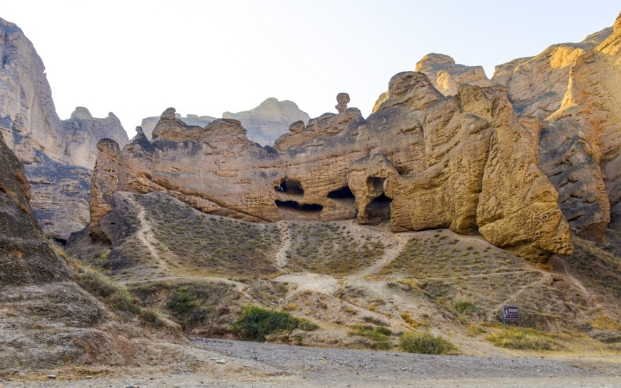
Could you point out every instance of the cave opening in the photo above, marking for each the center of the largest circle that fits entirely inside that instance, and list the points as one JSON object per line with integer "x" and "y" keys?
{"x": 376, "y": 185}
{"x": 342, "y": 193}
{"x": 293, "y": 205}
{"x": 379, "y": 209}
{"x": 290, "y": 186}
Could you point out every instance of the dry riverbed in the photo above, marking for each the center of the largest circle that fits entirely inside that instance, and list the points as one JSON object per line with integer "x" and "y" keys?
{"x": 231, "y": 364}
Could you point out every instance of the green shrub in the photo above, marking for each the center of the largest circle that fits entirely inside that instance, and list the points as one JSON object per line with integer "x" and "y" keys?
{"x": 152, "y": 318}
{"x": 379, "y": 335}
{"x": 463, "y": 306}
{"x": 182, "y": 302}
{"x": 96, "y": 283}
{"x": 255, "y": 323}
{"x": 424, "y": 343}
{"x": 524, "y": 339}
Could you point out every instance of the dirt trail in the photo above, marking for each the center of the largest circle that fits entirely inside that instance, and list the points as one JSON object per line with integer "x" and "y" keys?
{"x": 281, "y": 256}
{"x": 145, "y": 234}
{"x": 389, "y": 255}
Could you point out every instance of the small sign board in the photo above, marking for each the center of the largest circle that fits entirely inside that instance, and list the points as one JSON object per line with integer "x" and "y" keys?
{"x": 511, "y": 313}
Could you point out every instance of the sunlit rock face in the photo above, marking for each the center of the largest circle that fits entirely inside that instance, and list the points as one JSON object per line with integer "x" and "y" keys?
{"x": 446, "y": 76}
{"x": 58, "y": 155}
{"x": 270, "y": 120}
{"x": 574, "y": 89}
{"x": 420, "y": 161}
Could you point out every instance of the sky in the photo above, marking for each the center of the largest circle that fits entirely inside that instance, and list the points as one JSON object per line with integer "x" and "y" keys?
{"x": 136, "y": 58}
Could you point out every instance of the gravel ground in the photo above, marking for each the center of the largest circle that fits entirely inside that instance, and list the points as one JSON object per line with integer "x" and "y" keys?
{"x": 235, "y": 364}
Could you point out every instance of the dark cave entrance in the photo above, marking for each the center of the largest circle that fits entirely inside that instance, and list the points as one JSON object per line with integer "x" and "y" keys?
{"x": 290, "y": 186}
{"x": 293, "y": 205}
{"x": 342, "y": 193}
{"x": 379, "y": 209}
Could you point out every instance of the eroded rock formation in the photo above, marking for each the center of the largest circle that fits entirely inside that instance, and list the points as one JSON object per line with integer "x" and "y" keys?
{"x": 58, "y": 156}
{"x": 446, "y": 76}
{"x": 268, "y": 121}
{"x": 148, "y": 124}
{"x": 573, "y": 89}
{"x": 421, "y": 160}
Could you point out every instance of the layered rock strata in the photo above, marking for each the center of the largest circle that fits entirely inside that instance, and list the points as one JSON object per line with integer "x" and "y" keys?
{"x": 421, "y": 160}
{"x": 269, "y": 120}
{"x": 573, "y": 89}
{"x": 59, "y": 156}
{"x": 446, "y": 75}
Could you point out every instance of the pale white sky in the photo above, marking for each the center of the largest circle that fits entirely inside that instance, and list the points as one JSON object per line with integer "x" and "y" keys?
{"x": 135, "y": 58}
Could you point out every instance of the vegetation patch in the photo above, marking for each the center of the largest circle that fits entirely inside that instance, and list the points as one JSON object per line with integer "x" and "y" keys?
{"x": 256, "y": 323}
{"x": 210, "y": 244}
{"x": 524, "y": 339}
{"x": 379, "y": 336}
{"x": 425, "y": 343}
{"x": 328, "y": 248}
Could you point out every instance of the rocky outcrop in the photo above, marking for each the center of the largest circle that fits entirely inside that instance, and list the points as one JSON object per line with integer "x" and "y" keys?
{"x": 446, "y": 76}
{"x": 84, "y": 131}
{"x": 270, "y": 120}
{"x": 58, "y": 156}
{"x": 149, "y": 123}
{"x": 105, "y": 180}
{"x": 25, "y": 257}
{"x": 420, "y": 161}
{"x": 573, "y": 88}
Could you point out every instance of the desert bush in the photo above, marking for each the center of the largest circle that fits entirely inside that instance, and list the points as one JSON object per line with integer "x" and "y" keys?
{"x": 255, "y": 323}
{"x": 463, "y": 306}
{"x": 379, "y": 335}
{"x": 424, "y": 343}
{"x": 182, "y": 302}
{"x": 152, "y": 318}
{"x": 524, "y": 339}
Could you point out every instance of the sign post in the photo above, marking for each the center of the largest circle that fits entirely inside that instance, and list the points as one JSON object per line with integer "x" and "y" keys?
{"x": 510, "y": 313}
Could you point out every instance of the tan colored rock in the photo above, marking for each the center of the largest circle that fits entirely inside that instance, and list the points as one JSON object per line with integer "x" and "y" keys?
{"x": 148, "y": 124}
{"x": 270, "y": 120}
{"x": 104, "y": 183}
{"x": 58, "y": 156}
{"x": 342, "y": 100}
{"x": 410, "y": 89}
{"x": 425, "y": 152}
{"x": 84, "y": 131}
{"x": 571, "y": 87}
{"x": 366, "y": 180}
{"x": 446, "y": 76}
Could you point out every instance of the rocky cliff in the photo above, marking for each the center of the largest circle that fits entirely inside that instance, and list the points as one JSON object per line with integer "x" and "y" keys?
{"x": 270, "y": 120}
{"x": 148, "y": 124}
{"x": 572, "y": 89}
{"x": 446, "y": 75}
{"x": 59, "y": 155}
{"x": 47, "y": 319}
{"x": 442, "y": 161}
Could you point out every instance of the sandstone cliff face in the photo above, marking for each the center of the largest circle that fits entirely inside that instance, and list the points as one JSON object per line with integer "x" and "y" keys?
{"x": 446, "y": 76}
{"x": 572, "y": 89}
{"x": 268, "y": 121}
{"x": 25, "y": 257}
{"x": 148, "y": 124}
{"x": 58, "y": 156}
{"x": 426, "y": 153}
{"x": 84, "y": 131}
{"x": 28, "y": 119}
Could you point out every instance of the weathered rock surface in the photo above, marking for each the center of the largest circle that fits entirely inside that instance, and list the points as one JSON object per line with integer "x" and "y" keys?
{"x": 47, "y": 320}
{"x": 58, "y": 155}
{"x": 25, "y": 257}
{"x": 148, "y": 124}
{"x": 425, "y": 152}
{"x": 572, "y": 88}
{"x": 446, "y": 76}
{"x": 268, "y": 121}
{"x": 84, "y": 131}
